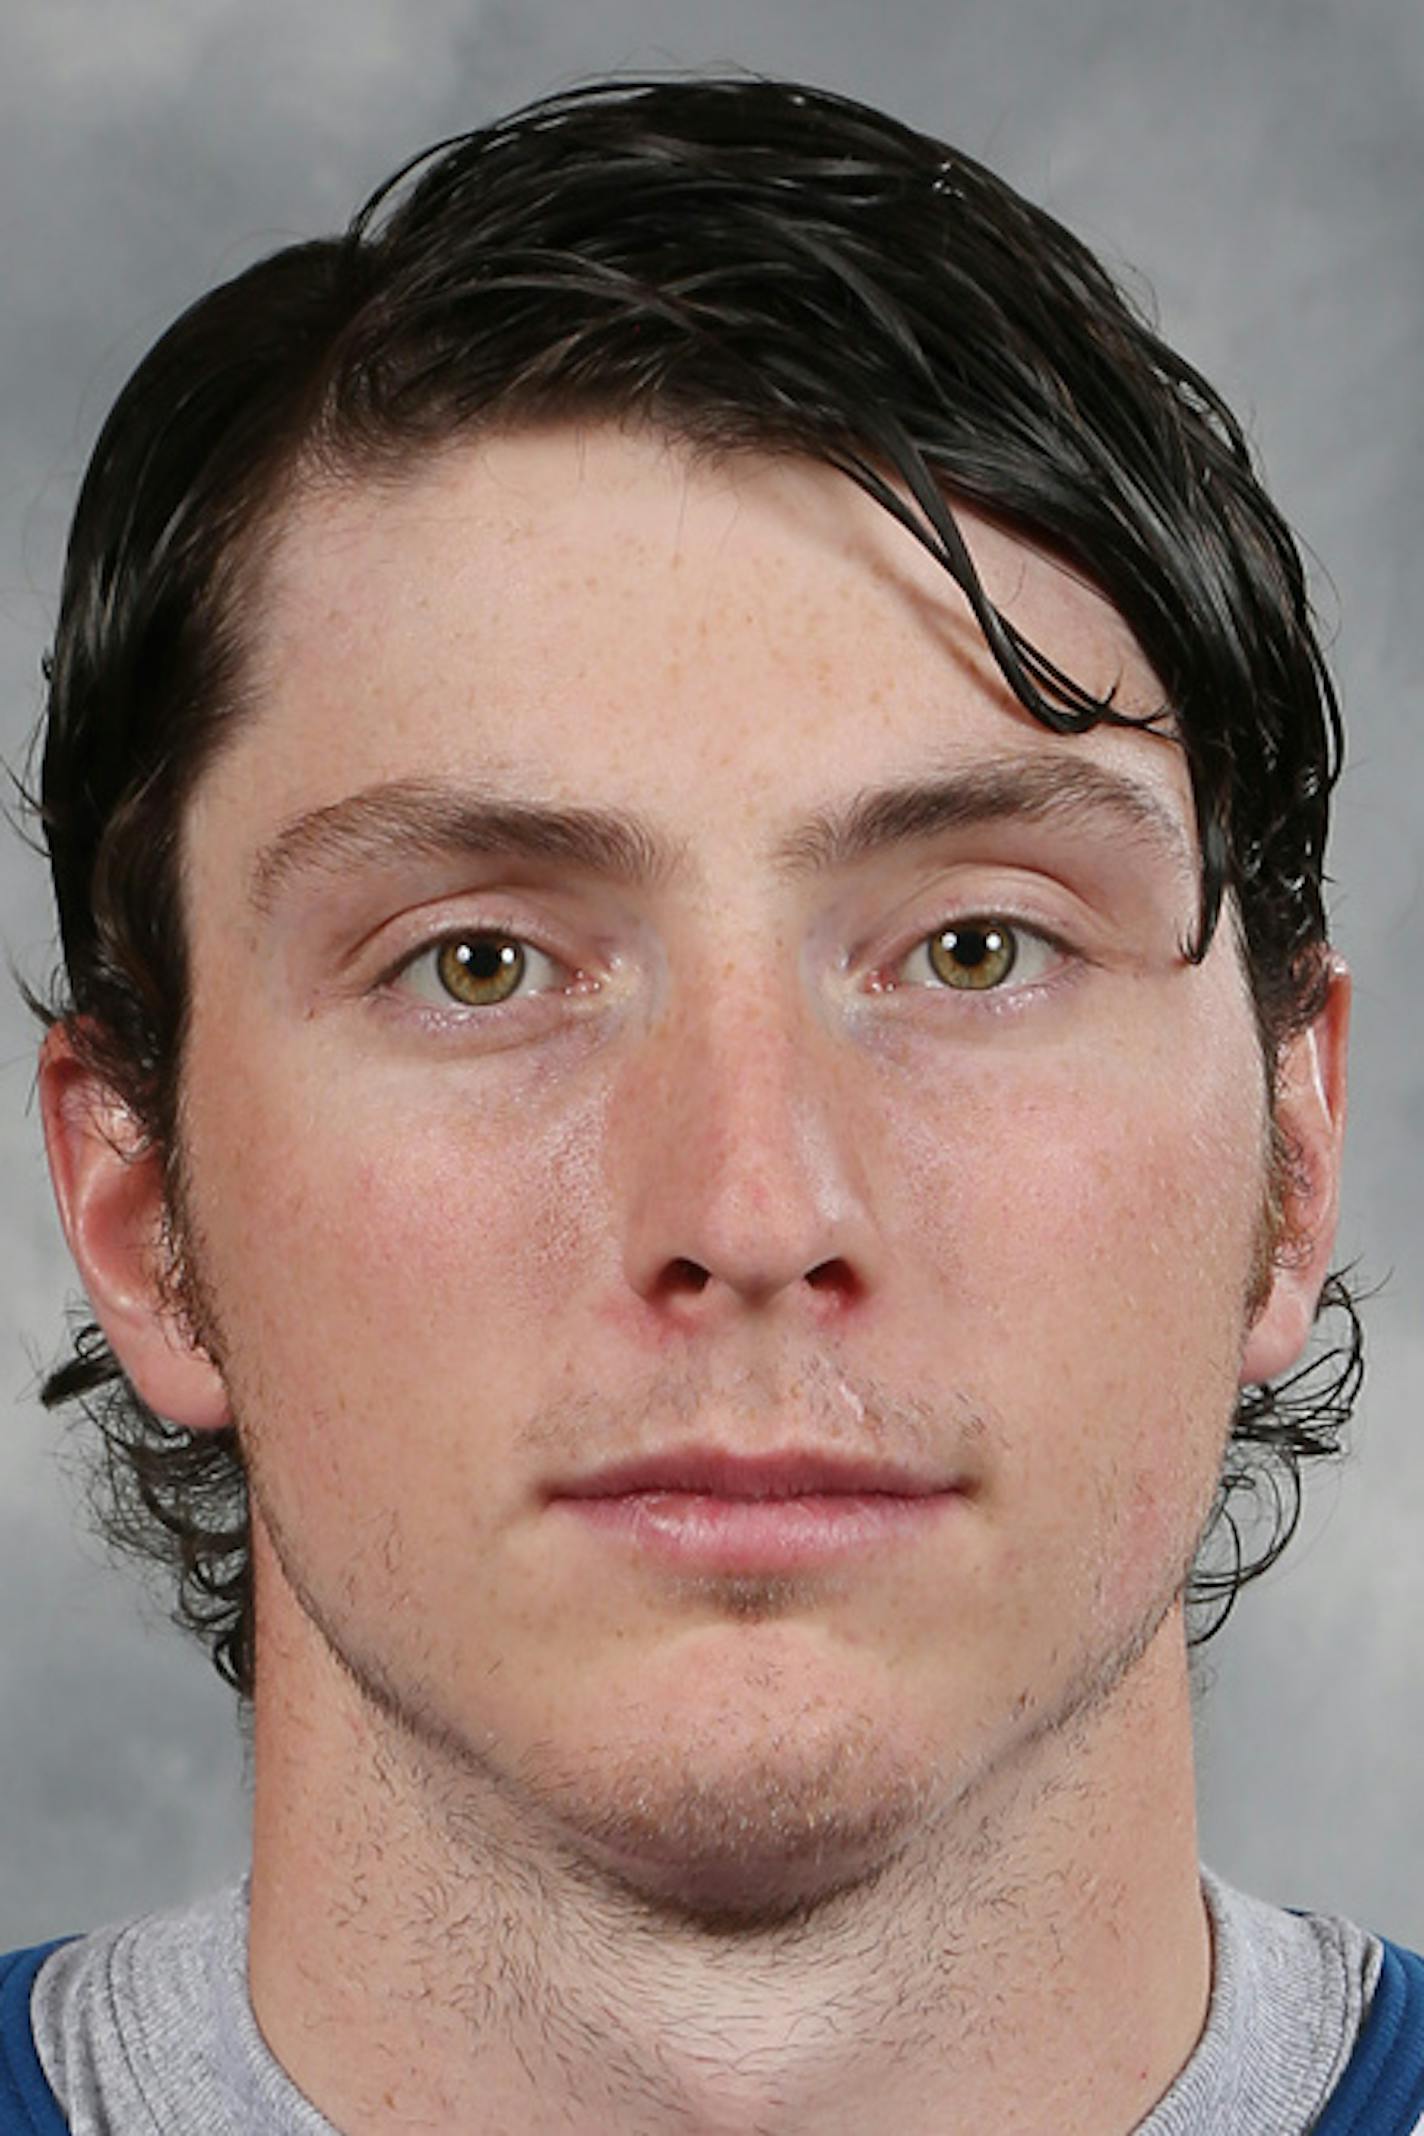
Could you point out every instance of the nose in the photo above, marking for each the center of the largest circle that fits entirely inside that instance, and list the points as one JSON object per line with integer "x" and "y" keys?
{"x": 745, "y": 1147}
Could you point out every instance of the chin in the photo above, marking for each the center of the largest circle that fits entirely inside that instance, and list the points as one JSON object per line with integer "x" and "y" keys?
{"x": 748, "y": 1894}
{"x": 744, "y": 1820}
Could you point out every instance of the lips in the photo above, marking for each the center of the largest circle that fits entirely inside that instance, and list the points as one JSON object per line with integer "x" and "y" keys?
{"x": 716, "y": 1473}
{"x": 710, "y": 1511}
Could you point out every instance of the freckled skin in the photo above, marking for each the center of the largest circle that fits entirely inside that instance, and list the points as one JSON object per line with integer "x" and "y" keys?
{"x": 442, "y": 1272}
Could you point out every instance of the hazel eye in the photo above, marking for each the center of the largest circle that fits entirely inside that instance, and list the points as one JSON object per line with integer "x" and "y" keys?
{"x": 977, "y": 956}
{"x": 973, "y": 955}
{"x": 476, "y": 970}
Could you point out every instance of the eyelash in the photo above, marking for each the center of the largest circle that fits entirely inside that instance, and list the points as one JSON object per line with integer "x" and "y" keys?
{"x": 1028, "y": 942}
{"x": 885, "y": 980}
{"x": 449, "y": 1005}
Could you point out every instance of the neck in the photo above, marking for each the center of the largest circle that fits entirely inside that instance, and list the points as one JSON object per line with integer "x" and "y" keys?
{"x": 1036, "y": 1960}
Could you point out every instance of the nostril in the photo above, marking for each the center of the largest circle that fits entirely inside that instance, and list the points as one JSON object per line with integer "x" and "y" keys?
{"x": 683, "y": 1275}
{"x": 836, "y": 1275}
{"x": 681, "y": 1279}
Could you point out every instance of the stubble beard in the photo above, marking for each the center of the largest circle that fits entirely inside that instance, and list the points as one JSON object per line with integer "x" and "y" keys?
{"x": 811, "y": 1815}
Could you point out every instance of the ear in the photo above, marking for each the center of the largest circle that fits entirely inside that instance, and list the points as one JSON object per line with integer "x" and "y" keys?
{"x": 108, "y": 1182}
{"x": 1310, "y": 1114}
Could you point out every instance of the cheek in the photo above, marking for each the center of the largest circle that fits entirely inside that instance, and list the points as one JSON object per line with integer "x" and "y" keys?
{"x": 1113, "y": 1183}
{"x": 1088, "y": 1252}
{"x": 395, "y": 1258}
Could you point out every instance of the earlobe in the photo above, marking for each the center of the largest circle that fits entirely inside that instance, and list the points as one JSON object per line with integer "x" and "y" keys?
{"x": 109, "y": 1186}
{"x": 1310, "y": 1118}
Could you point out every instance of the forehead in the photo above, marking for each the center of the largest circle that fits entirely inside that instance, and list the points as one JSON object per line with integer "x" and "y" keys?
{"x": 579, "y": 610}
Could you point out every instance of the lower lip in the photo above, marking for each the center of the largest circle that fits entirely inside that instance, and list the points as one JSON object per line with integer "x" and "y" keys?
{"x": 696, "y": 1530}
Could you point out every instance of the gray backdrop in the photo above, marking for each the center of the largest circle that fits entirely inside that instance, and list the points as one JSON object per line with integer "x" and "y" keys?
{"x": 1262, "y": 162}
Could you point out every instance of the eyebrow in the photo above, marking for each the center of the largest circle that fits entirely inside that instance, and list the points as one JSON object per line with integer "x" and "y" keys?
{"x": 1034, "y": 789}
{"x": 425, "y": 818}
{"x": 402, "y": 818}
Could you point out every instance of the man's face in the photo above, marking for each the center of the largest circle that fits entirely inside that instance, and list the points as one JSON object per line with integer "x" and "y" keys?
{"x": 924, "y": 1147}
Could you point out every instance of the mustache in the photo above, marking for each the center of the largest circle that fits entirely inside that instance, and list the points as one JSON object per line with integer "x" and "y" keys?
{"x": 758, "y": 1406}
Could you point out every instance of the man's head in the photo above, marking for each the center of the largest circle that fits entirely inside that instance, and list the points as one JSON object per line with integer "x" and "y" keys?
{"x": 749, "y": 291}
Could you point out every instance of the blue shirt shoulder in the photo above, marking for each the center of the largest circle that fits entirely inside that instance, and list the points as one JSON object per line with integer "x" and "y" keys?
{"x": 27, "y": 2105}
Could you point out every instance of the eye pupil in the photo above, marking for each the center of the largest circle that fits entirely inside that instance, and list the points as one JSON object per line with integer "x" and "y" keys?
{"x": 973, "y": 957}
{"x": 480, "y": 969}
